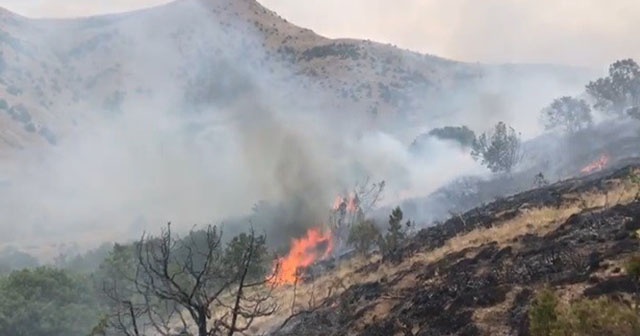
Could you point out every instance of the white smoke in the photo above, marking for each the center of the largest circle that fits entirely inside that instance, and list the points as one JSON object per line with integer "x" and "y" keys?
{"x": 263, "y": 138}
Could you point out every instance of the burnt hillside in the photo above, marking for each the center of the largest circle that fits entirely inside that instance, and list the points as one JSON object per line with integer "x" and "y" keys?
{"x": 476, "y": 273}
{"x": 555, "y": 156}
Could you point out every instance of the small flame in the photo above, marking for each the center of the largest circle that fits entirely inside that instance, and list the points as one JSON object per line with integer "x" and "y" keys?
{"x": 305, "y": 251}
{"x": 596, "y": 165}
{"x": 354, "y": 204}
{"x": 350, "y": 204}
{"x": 338, "y": 202}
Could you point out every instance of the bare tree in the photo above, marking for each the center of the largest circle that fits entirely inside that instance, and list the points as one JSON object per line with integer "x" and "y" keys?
{"x": 353, "y": 210}
{"x": 185, "y": 283}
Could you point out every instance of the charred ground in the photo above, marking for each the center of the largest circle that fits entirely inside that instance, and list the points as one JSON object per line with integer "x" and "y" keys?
{"x": 476, "y": 273}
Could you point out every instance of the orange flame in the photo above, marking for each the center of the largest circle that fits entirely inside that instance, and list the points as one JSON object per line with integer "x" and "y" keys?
{"x": 336, "y": 204}
{"x": 304, "y": 251}
{"x": 352, "y": 203}
{"x": 596, "y": 165}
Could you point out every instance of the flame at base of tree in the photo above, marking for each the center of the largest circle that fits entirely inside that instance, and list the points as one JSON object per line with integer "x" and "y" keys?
{"x": 314, "y": 246}
{"x": 350, "y": 204}
{"x": 596, "y": 165}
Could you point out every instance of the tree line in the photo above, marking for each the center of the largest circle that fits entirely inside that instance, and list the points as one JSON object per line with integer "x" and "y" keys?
{"x": 616, "y": 95}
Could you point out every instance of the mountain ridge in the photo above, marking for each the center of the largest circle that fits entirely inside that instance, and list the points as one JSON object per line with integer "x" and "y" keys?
{"x": 371, "y": 78}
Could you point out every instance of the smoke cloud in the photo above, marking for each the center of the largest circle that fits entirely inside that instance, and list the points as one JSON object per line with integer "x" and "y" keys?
{"x": 264, "y": 138}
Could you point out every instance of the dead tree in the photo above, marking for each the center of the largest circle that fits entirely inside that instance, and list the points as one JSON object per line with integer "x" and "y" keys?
{"x": 352, "y": 211}
{"x": 185, "y": 284}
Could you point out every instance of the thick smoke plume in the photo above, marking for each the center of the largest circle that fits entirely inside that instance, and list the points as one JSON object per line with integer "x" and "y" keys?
{"x": 264, "y": 140}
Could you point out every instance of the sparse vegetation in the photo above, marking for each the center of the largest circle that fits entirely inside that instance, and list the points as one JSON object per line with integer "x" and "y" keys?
{"x": 543, "y": 315}
{"x": 498, "y": 150}
{"x": 584, "y": 317}
{"x": 341, "y": 50}
{"x": 476, "y": 271}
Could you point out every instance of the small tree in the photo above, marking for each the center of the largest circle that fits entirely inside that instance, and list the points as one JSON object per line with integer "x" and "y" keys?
{"x": 499, "y": 150}
{"x": 363, "y": 236}
{"x": 236, "y": 249}
{"x": 392, "y": 241}
{"x": 632, "y": 267}
{"x": 568, "y": 114}
{"x": 540, "y": 181}
{"x": 619, "y": 91}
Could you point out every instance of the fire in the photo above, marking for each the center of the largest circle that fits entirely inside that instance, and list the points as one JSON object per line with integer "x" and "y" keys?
{"x": 305, "y": 251}
{"x": 354, "y": 204}
{"x": 350, "y": 204}
{"x": 596, "y": 165}
{"x": 338, "y": 202}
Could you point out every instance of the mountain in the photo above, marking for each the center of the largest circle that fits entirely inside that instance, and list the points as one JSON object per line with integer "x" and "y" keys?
{"x": 59, "y": 75}
{"x": 197, "y": 110}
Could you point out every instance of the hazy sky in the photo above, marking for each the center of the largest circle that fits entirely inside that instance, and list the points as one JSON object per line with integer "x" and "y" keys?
{"x": 580, "y": 32}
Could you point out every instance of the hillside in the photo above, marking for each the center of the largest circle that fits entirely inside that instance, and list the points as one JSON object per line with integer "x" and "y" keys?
{"x": 112, "y": 126}
{"x": 60, "y": 76}
{"x": 476, "y": 274}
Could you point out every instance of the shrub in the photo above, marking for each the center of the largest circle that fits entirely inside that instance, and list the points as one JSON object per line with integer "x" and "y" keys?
{"x": 597, "y": 317}
{"x": 543, "y": 314}
{"x": 632, "y": 266}
{"x": 363, "y": 236}
{"x": 391, "y": 242}
{"x": 584, "y": 317}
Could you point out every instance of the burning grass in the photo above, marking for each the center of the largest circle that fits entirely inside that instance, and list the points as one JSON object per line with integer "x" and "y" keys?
{"x": 304, "y": 252}
{"x": 293, "y": 298}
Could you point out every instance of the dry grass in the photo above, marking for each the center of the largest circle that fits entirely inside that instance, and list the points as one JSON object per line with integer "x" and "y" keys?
{"x": 536, "y": 221}
{"x": 491, "y": 320}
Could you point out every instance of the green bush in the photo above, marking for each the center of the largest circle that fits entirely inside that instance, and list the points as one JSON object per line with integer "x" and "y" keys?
{"x": 597, "y": 317}
{"x": 584, "y": 317}
{"x": 632, "y": 267}
{"x": 237, "y": 247}
{"x": 543, "y": 314}
{"x": 46, "y": 302}
{"x": 363, "y": 236}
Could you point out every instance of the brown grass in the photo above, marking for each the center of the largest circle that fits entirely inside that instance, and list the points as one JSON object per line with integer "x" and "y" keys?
{"x": 491, "y": 320}
{"x": 536, "y": 221}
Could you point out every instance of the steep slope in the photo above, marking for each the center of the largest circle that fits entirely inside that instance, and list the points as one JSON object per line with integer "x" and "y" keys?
{"x": 476, "y": 273}
{"x": 58, "y": 75}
